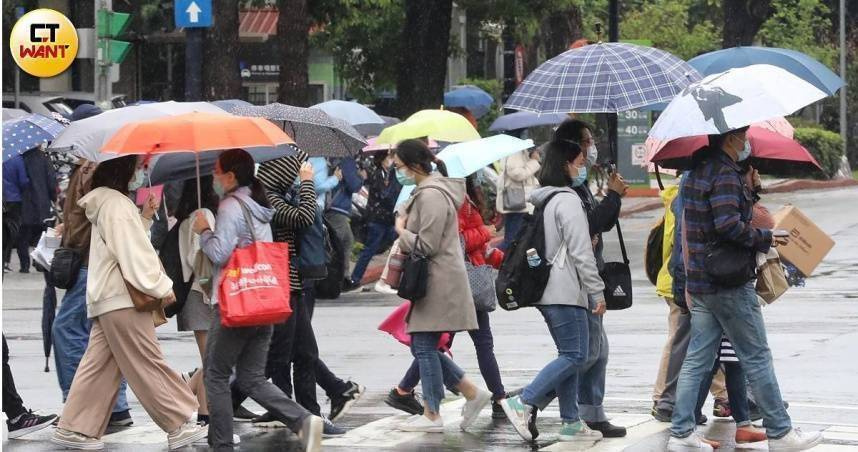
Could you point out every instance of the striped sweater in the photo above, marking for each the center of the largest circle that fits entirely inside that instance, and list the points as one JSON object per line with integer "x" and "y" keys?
{"x": 278, "y": 176}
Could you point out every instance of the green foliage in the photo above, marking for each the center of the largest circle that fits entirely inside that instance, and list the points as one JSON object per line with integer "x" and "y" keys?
{"x": 493, "y": 87}
{"x": 799, "y": 122}
{"x": 667, "y": 24}
{"x": 803, "y": 25}
{"x": 825, "y": 146}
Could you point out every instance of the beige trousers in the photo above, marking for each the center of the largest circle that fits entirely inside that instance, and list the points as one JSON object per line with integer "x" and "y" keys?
{"x": 123, "y": 343}
{"x": 718, "y": 388}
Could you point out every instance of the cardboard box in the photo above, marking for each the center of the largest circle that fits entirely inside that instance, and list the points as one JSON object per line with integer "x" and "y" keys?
{"x": 808, "y": 244}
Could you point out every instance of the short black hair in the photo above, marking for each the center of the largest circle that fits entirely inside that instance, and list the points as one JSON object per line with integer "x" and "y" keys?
{"x": 240, "y": 163}
{"x": 572, "y": 129}
{"x": 115, "y": 173}
{"x": 558, "y": 154}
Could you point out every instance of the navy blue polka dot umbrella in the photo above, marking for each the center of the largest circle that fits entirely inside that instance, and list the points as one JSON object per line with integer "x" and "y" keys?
{"x": 25, "y": 133}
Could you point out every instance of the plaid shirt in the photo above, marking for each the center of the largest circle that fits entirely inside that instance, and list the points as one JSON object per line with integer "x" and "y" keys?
{"x": 718, "y": 207}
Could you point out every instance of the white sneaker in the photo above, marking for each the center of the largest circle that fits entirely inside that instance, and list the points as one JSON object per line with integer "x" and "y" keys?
{"x": 578, "y": 431}
{"x": 473, "y": 408}
{"x": 795, "y": 440}
{"x": 189, "y": 433}
{"x": 692, "y": 442}
{"x": 423, "y": 424}
{"x": 518, "y": 414}
{"x": 73, "y": 440}
{"x": 383, "y": 287}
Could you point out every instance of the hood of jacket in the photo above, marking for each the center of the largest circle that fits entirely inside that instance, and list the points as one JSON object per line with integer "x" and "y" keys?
{"x": 539, "y": 195}
{"x": 259, "y": 213}
{"x": 93, "y": 201}
{"x": 453, "y": 187}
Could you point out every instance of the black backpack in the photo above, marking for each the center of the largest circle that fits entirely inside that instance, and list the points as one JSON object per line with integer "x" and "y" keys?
{"x": 653, "y": 256}
{"x": 331, "y": 287}
{"x": 172, "y": 261}
{"x": 518, "y": 284}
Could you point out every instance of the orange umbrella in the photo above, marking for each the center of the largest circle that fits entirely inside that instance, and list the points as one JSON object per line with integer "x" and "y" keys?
{"x": 195, "y": 132}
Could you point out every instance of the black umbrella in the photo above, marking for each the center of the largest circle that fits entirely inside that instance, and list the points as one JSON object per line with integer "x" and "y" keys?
{"x": 49, "y": 312}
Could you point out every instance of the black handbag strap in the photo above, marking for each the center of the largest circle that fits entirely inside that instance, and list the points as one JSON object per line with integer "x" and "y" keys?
{"x": 622, "y": 243}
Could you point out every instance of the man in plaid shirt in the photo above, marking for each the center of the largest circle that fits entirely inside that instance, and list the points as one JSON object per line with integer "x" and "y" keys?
{"x": 718, "y": 208}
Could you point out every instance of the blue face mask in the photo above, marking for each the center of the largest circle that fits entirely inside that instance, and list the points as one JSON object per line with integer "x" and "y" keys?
{"x": 137, "y": 182}
{"x": 579, "y": 180}
{"x": 745, "y": 152}
{"x": 218, "y": 188}
{"x": 403, "y": 178}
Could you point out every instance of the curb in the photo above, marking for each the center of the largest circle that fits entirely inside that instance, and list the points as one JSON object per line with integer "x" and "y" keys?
{"x": 373, "y": 273}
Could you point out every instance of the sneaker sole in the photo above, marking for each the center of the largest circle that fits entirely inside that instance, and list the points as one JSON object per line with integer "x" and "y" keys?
{"x": 687, "y": 448}
{"x": 269, "y": 424}
{"x": 485, "y": 399}
{"x": 33, "y": 428}
{"x": 187, "y": 441}
{"x": 404, "y": 408}
{"x": 511, "y": 415}
{"x": 813, "y": 443}
{"x": 76, "y": 445}
{"x": 313, "y": 435}
{"x": 577, "y": 439}
{"x": 348, "y": 405}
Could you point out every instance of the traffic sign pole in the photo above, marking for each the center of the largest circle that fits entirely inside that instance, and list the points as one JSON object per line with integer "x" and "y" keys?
{"x": 193, "y": 64}
{"x": 103, "y": 87}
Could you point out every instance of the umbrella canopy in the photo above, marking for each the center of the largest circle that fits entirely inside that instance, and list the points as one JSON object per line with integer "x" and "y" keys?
{"x": 771, "y": 153}
{"x": 313, "y": 130}
{"x": 350, "y": 112}
{"x": 374, "y": 130}
{"x": 794, "y": 62}
{"x": 86, "y": 137}
{"x": 732, "y": 99}
{"x": 440, "y": 125}
{"x": 372, "y": 145}
{"x": 464, "y": 159}
{"x": 603, "y": 78}
{"x": 471, "y": 97}
{"x": 12, "y": 113}
{"x": 26, "y": 132}
{"x": 228, "y": 105}
{"x": 526, "y": 119}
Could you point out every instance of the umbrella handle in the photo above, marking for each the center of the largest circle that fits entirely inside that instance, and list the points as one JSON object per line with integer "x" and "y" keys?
{"x": 199, "y": 194}
{"x": 47, "y": 369}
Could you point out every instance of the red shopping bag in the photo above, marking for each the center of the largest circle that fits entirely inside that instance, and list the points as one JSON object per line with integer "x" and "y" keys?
{"x": 396, "y": 326}
{"x": 254, "y": 287}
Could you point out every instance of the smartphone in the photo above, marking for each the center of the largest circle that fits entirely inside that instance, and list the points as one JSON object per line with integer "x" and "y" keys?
{"x": 780, "y": 233}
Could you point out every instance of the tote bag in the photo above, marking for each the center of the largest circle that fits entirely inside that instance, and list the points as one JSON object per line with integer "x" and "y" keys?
{"x": 254, "y": 287}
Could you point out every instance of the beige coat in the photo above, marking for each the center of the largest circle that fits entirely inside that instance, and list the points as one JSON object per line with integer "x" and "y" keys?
{"x": 448, "y": 305}
{"x": 517, "y": 170}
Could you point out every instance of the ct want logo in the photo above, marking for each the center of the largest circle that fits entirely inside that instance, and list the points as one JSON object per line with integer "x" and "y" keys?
{"x": 43, "y": 42}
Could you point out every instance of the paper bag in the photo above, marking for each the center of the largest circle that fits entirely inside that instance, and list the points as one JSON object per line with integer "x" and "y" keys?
{"x": 771, "y": 280}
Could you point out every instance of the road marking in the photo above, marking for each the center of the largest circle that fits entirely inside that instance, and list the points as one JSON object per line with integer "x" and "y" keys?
{"x": 798, "y": 405}
{"x": 638, "y": 428}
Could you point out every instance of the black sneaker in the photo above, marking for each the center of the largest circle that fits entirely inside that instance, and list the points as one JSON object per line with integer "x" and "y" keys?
{"x": 661, "y": 414}
{"x": 407, "y": 403}
{"x": 608, "y": 430}
{"x": 242, "y": 414}
{"x": 702, "y": 419}
{"x": 531, "y": 423}
{"x": 28, "y": 423}
{"x": 121, "y": 419}
{"x": 342, "y": 403}
{"x": 267, "y": 420}
{"x": 349, "y": 285}
{"x": 497, "y": 410}
{"x": 330, "y": 430}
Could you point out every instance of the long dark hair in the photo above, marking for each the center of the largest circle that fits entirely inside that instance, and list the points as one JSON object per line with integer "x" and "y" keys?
{"x": 115, "y": 173}
{"x": 558, "y": 154}
{"x": 572, "y": 129}
{"x": 475, "y": 193}
{"x": 415, "y": 153}
{"x": 240, "y": 163}
{"x": 188, "y": 201}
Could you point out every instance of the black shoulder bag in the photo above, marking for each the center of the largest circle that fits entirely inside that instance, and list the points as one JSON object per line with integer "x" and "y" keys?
{"x": 415, "y": 269}
{"x": 617, "y": 277}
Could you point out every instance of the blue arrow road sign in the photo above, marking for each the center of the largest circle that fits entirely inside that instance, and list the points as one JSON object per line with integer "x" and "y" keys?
{"x": 193, "y": 13}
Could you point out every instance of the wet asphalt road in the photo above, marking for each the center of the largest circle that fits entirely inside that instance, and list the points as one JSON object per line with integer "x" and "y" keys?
{"x": 813, "y": 333}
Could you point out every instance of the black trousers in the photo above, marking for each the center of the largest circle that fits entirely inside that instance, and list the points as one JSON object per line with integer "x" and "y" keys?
{"x": 293, "y": 342}
{"x": 333, "y": 385}
{"x": 11, "y": 228}
{"x": 13, "y": 406}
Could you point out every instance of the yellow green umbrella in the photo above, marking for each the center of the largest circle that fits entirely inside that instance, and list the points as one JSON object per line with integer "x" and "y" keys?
{"x": 439, "y": 125}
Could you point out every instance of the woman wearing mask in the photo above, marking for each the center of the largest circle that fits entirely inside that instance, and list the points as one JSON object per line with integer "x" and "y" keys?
{"x": 196, "y": 313}
{"x": 475, "y": 236}
{"x": 122, "y": 341}
{"x": 244, "y": 348}
{"x": 428, "y": 224}
{"x": 574, "y": 279}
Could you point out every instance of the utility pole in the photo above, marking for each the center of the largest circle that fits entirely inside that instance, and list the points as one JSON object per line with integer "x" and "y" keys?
{"x": 194, "y": 64}
{"x": 843, "y": 122}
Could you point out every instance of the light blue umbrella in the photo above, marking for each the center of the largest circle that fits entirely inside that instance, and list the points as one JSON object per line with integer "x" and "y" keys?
{"x": 526, "y": 119}
{"x": 466, "y": 158}
{"x": 477, "y": 101}
{"x": 799, "y": 64}
{"x": 25, "y": 133}
{"x": 350, "y": 112}
{"x": 603, "y": 78}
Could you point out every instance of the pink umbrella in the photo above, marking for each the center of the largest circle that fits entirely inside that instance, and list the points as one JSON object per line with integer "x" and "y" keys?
{"x": 771, "y": 153}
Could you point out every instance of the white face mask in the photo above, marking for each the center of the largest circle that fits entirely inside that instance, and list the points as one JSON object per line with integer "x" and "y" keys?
{"x": 592, "y": 155}
{"x": 137, "y": 182}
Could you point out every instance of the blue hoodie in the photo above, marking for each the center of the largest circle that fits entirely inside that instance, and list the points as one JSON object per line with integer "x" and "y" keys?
{"x": 350, "y": 185}
{"x": 15, "y": 179}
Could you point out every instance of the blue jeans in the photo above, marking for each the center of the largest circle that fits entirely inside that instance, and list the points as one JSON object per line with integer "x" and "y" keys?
{"x": 484, "y": 345}
{"x": 736, "y": 313}
{"x": 70, "y": 333}
{"x": 591, "y": 384}
{"x": 512, "y": 223}
{"x": 377, "y": 234}
{"x": 436, "y": 368}
{"x": 568, "y": 327}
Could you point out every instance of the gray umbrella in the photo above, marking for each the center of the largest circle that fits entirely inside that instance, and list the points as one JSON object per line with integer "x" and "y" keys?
{"x": 374, "y": 130}
{"x": 313, "y": 130}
